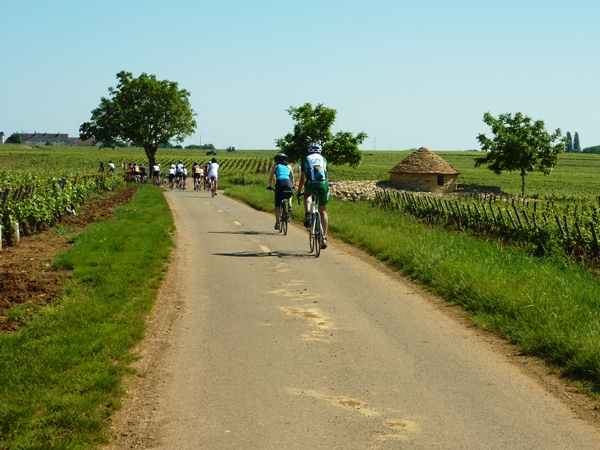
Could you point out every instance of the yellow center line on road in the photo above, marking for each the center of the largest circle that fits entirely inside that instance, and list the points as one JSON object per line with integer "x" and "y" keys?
{"x": 237, "y": 223}
{"x": 265, "y": 249}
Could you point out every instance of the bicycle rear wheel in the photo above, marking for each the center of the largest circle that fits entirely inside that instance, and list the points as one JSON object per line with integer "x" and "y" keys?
{"x": 285, "y": 218}
{"x": 317, "y": 235}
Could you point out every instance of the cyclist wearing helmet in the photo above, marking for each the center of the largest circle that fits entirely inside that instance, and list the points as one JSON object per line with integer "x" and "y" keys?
{"x": 313, "y": 176}
{"x": 284, "y": 183}
{"x": 213, "y": 172}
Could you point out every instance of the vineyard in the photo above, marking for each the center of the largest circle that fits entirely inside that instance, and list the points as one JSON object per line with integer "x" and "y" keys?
{"x": 544, "y": 226}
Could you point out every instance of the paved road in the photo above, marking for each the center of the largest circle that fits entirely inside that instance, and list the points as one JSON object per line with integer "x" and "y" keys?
{"x": 279, "y": 350}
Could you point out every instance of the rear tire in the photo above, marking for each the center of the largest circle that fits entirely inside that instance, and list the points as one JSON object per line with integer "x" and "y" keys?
{"x": 317, "y": 236}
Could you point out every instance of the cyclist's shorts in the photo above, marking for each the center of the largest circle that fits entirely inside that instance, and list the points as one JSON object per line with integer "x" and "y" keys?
{"x": 283, "y": 190}
{"x": 323, "y": 196}
{"x": 156, "y": 173}
{"x": 171, "y": 176}
{"x": 196, "y": 176}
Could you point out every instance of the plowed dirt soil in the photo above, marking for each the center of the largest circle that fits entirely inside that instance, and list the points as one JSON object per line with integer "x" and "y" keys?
{"x": 26, "y": 277}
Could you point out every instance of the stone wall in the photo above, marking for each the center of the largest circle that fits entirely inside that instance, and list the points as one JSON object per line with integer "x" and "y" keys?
{"x": 423, "y": 182}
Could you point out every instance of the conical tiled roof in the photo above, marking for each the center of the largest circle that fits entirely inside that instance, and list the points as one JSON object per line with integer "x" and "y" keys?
{"x": 424, "y": 161}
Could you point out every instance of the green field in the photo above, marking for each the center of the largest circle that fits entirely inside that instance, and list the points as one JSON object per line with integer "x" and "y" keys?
{"x": 575, "y": 177}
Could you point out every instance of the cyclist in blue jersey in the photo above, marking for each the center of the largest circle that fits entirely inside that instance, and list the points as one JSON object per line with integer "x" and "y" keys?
{"x": 284, "y": 183}
{"x": 313, "y": 177}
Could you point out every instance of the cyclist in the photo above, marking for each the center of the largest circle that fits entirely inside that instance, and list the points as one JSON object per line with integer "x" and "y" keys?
{"x": 313, "y": 176}
{"x": 213, "y": 172}
{"x": 101, "y": 169}
{"x": 179, "y": 171}
{"x": 143, "y": 173}
{"x": 284, "y": 183}
{"x": 111, "y": 166}
{"x": 172, "y": 170}
{"x": 156, "y": 173}
{"x": 206, "y": 179}
{"x": 198, "y": 172}
{"x": 184, "y": 175}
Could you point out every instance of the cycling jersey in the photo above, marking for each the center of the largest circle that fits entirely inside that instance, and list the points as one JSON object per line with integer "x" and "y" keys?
{"x": 314, "y": 167}
{"x": 282, "y": 172}
{"x": 213, "y": 172}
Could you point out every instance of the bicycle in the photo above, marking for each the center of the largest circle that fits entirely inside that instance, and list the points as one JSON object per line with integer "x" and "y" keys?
{"x": 315, "y": 229}
{"x": 213, "y": 191}
{"x": 284, "y": 212}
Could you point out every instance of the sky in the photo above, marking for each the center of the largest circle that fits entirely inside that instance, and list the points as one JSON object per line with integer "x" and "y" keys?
{"x": 409, "y": 73}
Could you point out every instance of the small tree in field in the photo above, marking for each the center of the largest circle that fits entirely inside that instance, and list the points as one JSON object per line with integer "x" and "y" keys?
{"x": 142, "y": 111}
{"x": 569, "y": 142}
{"x": 576, "y": 144}
{"x": 519, "y": 144}
{"x": 313, "y": 125}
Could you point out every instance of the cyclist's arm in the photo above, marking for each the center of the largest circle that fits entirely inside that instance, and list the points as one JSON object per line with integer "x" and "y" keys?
{"x": 291, "y": 174}
{"x": 271, "y": 175}
{"x": 301, "y": 182}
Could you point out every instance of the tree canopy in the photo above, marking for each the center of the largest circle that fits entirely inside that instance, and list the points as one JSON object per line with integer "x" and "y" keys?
{"x": 313, "y": 126}
{"x": 141, "y": 111}
{"x": 519, "y": 144}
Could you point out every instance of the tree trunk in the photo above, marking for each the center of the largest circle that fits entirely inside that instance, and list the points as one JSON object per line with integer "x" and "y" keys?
{"x": 150, "y": 153}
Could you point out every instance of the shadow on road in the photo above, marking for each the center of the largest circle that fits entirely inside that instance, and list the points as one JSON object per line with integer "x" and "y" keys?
{"x": 276, "y": 254}
{"x": 248, "y": 233}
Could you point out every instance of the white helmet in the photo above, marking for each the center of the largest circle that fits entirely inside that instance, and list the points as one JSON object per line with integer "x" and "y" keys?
{"x": 314, "y": 148}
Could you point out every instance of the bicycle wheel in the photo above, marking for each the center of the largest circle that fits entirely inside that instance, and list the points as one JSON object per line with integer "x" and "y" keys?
{"x": 212, "y": 189}
{"x": 311, "y": 233}
{"x": 318, "y": 235}
{"x": 285, "y": 217}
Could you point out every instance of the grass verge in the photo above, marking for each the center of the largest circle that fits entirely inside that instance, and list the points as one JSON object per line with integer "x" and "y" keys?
{"x": 548, "y": 307}
{"x": 60, "y": 373}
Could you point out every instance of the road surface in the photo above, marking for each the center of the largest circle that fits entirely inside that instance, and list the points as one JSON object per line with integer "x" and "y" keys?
{"x": 268, "y": 347}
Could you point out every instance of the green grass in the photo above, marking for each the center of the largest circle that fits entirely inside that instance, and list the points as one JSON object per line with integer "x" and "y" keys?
{"x": 60, "y": 373}
{"x": 548, "y": 307}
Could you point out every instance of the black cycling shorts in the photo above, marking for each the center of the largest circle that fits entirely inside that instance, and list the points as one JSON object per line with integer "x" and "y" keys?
{"x": 283, "y": 190}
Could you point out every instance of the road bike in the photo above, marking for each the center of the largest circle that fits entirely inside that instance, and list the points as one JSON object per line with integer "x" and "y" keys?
{"x": 213, "y": 190}
{"x": 285, "y": 210}
{"x": 315, "y": 228}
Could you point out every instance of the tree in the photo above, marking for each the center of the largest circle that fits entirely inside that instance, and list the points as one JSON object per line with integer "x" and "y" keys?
{"x": 313, "y": 125}
{"x": 15, "y": 138}
{"x": 49, "y": 143}
{"x": 142, "y": 111}
{"x": 569, "y": 142}
{"x": 519, "y": 144}
{"x": 576, "y": 145}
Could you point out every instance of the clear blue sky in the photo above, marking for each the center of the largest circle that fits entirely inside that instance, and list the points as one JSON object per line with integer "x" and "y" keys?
{"x": 408, "y": 73}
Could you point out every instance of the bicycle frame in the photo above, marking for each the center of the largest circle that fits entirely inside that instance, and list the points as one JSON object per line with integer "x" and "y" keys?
{"x": 315, "y": 230}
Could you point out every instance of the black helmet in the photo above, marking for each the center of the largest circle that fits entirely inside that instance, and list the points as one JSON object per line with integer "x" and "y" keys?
{"x": 314, "y": 148}
{"x": 214, "y": 160}
{"x": 280, "y": 157}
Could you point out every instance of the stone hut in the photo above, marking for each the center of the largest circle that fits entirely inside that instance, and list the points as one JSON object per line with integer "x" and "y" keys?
{"x": 423, "y": 170}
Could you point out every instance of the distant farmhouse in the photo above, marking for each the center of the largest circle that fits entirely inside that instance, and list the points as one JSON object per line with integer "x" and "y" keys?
{"x": 2, "y": 138}
{"x": 59, "y": 139}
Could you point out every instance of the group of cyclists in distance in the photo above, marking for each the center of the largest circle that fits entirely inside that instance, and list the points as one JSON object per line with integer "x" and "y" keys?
{"x": 206, "y": 176}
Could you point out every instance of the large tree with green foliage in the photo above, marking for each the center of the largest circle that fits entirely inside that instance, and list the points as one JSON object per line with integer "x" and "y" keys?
{"x": 519, "y": 144}
{"x": 313, "y": 125}
{"x": 142, "y": 111}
